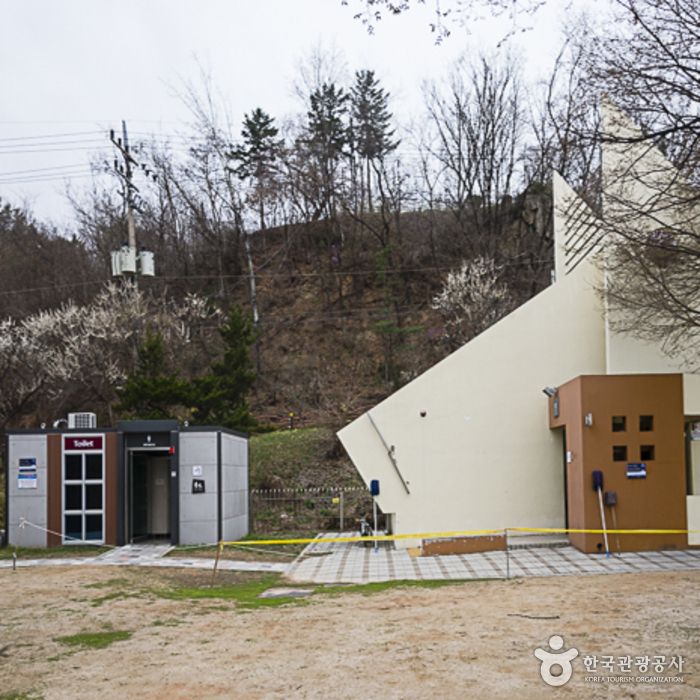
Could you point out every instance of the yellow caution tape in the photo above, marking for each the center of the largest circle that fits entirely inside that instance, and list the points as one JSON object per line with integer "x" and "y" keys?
{"x": 460, "y": 533}
{"x": 598, "y": 532}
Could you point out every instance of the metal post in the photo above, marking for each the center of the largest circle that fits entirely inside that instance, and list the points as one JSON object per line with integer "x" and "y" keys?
{"x": 507, "y": 556}
{"x": 216, "y": 563}
{"x": 374, "y": 508}
{"x": 131, "y": 226}
{"x": 602, "y": 517}
{"x": 342, "y": 523}
{"x": 19, "y": 537}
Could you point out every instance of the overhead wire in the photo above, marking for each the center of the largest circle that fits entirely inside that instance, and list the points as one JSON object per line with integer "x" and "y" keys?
{"x": 36, "y": 170}
{"x": 49, "y": 136}
{"x": 258, "y": 276}
{"x": 53, "y": 178}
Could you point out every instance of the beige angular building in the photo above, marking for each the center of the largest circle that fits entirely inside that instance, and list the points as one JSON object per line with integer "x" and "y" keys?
{"x": 474, "y": 444}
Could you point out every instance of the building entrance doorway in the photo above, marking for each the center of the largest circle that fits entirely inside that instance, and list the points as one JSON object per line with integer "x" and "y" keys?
{"x": 566, "y": 478}
{"x": 148, "y": 496}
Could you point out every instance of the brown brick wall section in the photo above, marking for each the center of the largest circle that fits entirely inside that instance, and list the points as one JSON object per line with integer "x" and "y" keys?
{"x": 463, "y": 545}
{"x": 54, "y": 459}
{"x": 657, "y": 502}
{"x": 110, "y": 485}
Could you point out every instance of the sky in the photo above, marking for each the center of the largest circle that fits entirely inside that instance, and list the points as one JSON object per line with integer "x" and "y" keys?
{"x": 72, "y": 69}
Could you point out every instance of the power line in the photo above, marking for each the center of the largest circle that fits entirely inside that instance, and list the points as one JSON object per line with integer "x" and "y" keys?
{"x": 36, "y": 170}
{"x": 241, "y": 277}
{"x": 52, "y": 149}
{"x": 49, "y": 136}
{"x": 48, "y": 178}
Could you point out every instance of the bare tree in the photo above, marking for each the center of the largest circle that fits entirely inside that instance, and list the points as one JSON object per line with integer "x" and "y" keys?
{"x": 565, "y": 126}
{"x": 651, "y": 224}
{"x": 41, "y": 267}
{"x": 446, "y": 12}
{"x": 477, "y": 123}
{"x": 645, "y": 55}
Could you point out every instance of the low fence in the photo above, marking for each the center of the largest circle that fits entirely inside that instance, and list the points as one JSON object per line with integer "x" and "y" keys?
{"x": 310, "y": 510}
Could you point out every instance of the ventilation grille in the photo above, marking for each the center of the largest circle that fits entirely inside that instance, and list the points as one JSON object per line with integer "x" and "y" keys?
{"x": 82, "y": 420}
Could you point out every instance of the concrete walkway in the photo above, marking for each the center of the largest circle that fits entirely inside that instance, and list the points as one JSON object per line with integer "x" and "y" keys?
{"x": 352, "y": 562}
{"x": 149, "y": 555}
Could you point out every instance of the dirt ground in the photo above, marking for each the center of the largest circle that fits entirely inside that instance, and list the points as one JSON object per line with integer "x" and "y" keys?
{"x": 468, "y": 640}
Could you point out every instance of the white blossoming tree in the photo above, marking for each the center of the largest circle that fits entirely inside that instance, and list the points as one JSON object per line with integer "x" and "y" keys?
{"x": 74, "y": 357}
{"x": 472, "y": 299}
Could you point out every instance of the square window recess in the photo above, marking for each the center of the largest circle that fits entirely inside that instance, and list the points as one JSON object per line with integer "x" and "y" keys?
{"x": 620, "y": 453}
{"x": 646, "y": 424}
{"x": 619, "y": 424}
{"x": 646, "y": 453}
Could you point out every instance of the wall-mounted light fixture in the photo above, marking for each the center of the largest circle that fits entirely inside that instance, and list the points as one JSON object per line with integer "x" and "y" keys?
{"x": 553, "y": 394}
{"x": 588, "y": 420}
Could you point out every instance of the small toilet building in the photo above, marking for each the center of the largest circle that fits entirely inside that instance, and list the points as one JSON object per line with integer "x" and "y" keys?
{"x": 144, "y": 480}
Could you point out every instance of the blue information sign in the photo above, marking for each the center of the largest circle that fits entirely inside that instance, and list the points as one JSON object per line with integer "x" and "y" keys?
{"x": 636, "y": 470}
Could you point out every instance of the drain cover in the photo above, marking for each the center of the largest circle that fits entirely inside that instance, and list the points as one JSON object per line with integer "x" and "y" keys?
{"x": 286, "y": 592}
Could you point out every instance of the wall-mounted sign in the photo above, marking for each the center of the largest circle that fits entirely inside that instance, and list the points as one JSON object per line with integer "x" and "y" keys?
{"x": 636, "y": 470}
{"x": 27, "y": 473}
{"x": 82, "y": 444}
{"x": 197, "y": 471}
{"x": 197, "y": 485}
{"x": 148, "y": 440}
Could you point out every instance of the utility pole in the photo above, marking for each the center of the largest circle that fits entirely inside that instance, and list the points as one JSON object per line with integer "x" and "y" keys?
{"x": 126, "y": 262}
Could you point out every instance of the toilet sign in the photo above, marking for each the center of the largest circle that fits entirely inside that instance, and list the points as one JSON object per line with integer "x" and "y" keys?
{"x": 82, "y": 444}
{"x": 197, "y": 485}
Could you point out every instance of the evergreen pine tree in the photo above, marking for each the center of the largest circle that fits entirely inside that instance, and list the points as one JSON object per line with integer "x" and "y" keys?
{"x": 219, "y": 397}
{"x": 260, "y": 145}
{"x": 256, "y": 155}
{"x": 326, "y": 140}
{"x": 328, "y": 133}
{"x": 149, "y": 393}
{"x": 371, "y": 132}
{"x": 371, "y": 119}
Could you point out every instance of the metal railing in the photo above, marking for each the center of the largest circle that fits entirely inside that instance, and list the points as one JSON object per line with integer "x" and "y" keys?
{"x": 309, "y": 509}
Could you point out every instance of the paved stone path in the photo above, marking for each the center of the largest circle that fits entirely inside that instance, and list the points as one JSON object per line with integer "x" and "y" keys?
{"x": 134, "y": 554}
{"x": 352, "y": 562}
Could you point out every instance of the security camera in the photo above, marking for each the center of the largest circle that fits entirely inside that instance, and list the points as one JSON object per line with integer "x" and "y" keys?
{"x": 550, "y": 392}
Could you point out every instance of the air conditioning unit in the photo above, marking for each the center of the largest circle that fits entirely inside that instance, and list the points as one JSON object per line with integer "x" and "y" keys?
{"x": 82, "y": 420}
